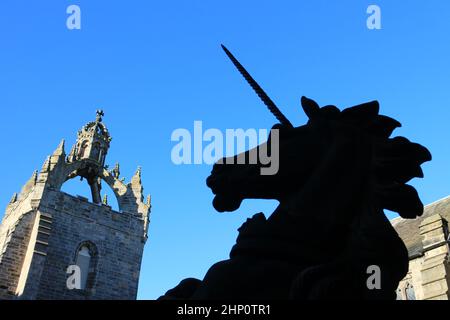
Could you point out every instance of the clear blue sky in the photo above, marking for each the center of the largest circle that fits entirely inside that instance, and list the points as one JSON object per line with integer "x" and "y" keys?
{"x": 155, "y": 66}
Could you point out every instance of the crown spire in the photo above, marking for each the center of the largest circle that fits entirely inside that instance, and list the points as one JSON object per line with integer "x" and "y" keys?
{"x": 93, "y": 142}
{"x": 99, "y": 115}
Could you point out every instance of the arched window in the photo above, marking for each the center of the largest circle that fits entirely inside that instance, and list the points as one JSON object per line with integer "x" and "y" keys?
{"x": 410, "y": 294}
{"x": 82, "y": 149}
{"x": 84, "y": 262}
{"x": 86, "y": 258}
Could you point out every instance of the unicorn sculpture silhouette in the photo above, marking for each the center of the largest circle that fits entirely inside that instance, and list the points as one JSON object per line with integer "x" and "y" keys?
{"x": 337, "y": 173}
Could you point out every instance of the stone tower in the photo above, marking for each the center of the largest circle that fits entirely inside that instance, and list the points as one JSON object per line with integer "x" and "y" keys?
{"x": 57, "y": 246}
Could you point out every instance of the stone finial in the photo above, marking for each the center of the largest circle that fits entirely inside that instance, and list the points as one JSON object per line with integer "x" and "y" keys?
{"x": 47, "y": 165}
{"x": 34, "y": 177}
{"x": 31, "y": 183}
{"x": 116, "y": 171}
{"x": 14, "y": 198}
{"x": 105, "y": 199}
{"x": 60, "y": 149}
{"x": 136, "y": 185}
{"x": 139, "y": 171}
{"x": 73, "y": 154}
{"x": 136, "y": 180}
{"x": 149, "y": 200}
{"x": 99, "y": 115}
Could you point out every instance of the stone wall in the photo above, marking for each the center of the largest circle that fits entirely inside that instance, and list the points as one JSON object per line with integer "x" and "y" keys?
{"x": 428, "y": 276}
{"x": 412, "y": 283}
{"x": 118, "y": 239}
{"x": 15, "y": 234}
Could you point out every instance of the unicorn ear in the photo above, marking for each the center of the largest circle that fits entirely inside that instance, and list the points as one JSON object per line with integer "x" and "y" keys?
{"x": 310, "y": 107}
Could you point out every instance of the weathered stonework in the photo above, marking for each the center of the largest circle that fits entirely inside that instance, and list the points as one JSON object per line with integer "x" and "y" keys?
{"x": 427, "y": 242}
{"x": 44, "y": 229}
